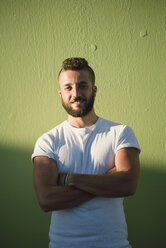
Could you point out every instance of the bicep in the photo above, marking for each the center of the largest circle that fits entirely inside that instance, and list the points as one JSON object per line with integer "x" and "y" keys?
{"x": 45, "y": 172}
{"x": 127, "y": 159}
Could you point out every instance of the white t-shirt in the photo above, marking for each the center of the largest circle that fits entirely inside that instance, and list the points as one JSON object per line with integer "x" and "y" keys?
{"x": 100, "y": 222}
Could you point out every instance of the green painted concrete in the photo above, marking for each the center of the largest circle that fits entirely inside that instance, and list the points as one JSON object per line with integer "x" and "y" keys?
{"x": 124, "y": 42}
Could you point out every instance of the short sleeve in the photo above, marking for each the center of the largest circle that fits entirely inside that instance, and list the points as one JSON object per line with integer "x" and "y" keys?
{"x": 126, "y": 139}
{"x": 44, "y": 147}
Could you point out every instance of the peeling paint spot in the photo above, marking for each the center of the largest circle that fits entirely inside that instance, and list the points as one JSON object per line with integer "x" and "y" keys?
{"x": 94, "y": 47}
{"x": 11, "y": 116}
{"x": 143, "y": 33}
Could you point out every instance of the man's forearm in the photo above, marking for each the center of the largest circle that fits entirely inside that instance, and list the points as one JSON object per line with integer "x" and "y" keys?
{"x": 63, "y": 197}
{"x": 50, "y": 190}
{"x": 120, "y": 181}
{"x": 117, "y": 184}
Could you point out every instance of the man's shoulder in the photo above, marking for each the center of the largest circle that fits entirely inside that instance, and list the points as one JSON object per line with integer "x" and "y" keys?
{"x": 57, "y": 128}
{"x": 54, "y": 132}
{"x": 115, "y": 128}
{"x": 111, "y": 124}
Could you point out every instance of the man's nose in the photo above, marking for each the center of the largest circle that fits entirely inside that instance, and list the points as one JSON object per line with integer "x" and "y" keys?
{"x": 76, "y": 91}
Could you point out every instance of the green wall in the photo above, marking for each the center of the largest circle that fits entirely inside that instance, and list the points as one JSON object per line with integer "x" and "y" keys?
{"x": 124, "y": 41}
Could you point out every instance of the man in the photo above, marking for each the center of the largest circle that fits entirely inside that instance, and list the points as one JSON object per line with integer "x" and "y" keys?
{"x": 84, "y": 167}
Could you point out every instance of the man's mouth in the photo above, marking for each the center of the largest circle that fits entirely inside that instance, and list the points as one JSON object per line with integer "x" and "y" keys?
{"x": 78, "y": 100}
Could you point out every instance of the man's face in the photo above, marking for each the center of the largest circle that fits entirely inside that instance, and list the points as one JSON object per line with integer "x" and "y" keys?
{"x": 77, "y": 93}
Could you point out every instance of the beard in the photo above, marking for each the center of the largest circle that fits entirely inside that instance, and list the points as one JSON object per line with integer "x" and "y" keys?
{"x": 82, "y": 110}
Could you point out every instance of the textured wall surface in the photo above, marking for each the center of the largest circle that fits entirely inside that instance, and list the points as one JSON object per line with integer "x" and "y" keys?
{"x": 124, "y": 42}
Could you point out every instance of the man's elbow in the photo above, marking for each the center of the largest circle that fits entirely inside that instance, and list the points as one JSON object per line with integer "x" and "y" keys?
{"x": 44, "y": 204}
{"x": 47, "y": 206}
{"x": 131, "y": 188}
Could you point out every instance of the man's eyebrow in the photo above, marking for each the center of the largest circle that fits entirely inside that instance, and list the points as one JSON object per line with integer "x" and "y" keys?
{"x": 67, "y": 84}
{"x": 82, "y": 82}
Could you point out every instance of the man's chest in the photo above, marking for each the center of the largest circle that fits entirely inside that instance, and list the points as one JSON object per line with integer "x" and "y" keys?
{"x": 86, "y": 154}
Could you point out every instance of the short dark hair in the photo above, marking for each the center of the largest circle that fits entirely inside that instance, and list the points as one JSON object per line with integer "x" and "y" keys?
{"x": 77, "y": 64}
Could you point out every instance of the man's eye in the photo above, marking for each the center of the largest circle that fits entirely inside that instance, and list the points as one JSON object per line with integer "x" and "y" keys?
{"x": 68, "y": 88}
{"x": 83, "y": 86}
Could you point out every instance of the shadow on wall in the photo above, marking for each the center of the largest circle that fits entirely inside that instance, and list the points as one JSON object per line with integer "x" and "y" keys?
{"x": 23, "y": 224}
{"x": 146, "y": 210}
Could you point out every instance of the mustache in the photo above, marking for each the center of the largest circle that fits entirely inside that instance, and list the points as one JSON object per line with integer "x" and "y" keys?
{"x": 79, "y": 98}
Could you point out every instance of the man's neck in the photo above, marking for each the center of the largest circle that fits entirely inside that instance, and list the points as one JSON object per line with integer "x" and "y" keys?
{"x": 82, "y": 122}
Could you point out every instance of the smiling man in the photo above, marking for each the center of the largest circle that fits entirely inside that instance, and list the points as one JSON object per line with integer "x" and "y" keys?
{"x": 77, "y": 98}
{"x": 84, "y": 167}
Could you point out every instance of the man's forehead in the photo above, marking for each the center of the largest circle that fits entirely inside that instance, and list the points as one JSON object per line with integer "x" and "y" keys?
{"x": 70, "y": 76}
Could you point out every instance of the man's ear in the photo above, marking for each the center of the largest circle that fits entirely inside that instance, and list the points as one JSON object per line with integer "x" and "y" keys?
{"x": 59, "y": 92}
{"x": 95, "y": 89}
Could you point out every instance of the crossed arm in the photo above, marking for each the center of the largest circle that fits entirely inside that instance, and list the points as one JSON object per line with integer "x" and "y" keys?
{"x": 52, "y": 195}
